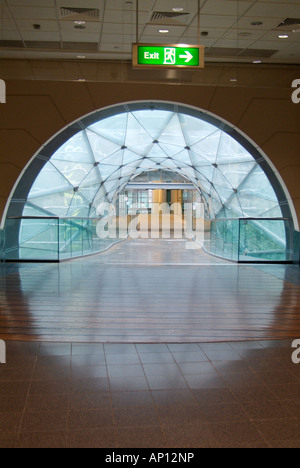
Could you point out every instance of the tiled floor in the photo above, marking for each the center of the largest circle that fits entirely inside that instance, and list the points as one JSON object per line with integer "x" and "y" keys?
{"x": 238, "y": 394}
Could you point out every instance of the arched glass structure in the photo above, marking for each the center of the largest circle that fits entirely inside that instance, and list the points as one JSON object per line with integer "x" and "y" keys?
{"x": 93, "y": 160}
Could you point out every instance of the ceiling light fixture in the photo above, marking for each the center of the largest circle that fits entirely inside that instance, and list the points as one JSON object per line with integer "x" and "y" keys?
{"x": 164, "y": 31}
{"x": 177, "y": 9}
{"x": 257, "y": 61}
{"x": 283, "y": 36}
{"x": 79, "y": 24}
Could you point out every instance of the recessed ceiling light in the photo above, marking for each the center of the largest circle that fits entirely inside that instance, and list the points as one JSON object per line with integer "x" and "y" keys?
{"x": 233, "y": 80}
{"x": 283, "y": 36}
{"x": 257, "y": 61}
{"x": 177, "y": 9}
{"x": 296, "y": 30}
{"x": 164, "y": 31}
{"x": 81, "y": 56}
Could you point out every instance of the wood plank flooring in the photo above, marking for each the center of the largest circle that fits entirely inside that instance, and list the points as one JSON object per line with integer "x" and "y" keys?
{"x": 144, "y": 291}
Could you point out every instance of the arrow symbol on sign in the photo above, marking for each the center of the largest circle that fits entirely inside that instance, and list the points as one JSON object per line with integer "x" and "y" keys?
{"x": 188, "y": 56}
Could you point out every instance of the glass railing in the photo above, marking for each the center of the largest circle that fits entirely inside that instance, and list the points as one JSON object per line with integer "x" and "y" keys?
{"x": 251, "y": 239}
{"x": 53, "y": 239}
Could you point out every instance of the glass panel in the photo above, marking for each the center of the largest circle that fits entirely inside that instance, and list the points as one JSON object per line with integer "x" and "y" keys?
{"x": 74, "y": 173}
{"x": 154, "y": 121}
{"x": 231, "y": 151}
{"x": 57, "y": 204}
{"x": 112, "y": 128}
{"x": 173, "y": 133}
{"x": 208, "y": 148}
{"x": 136, "y": 135}
{"x": 263, "y": 240}
{"x": 194, "y": 129}
{"x": 236, "y": 173}
{"x": 38, "y": 239}
{"x": 224, "y": 239}
{"x": 49, "y": 181}
{"x": 76, "y": 149}
{"x": 101, "y": 147}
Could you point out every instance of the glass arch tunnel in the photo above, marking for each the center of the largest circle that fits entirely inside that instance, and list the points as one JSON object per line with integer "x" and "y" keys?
{"x": 94, "y": 160}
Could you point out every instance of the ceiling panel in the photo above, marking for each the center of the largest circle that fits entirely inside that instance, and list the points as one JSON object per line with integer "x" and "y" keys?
{"x": 226, "y": 23}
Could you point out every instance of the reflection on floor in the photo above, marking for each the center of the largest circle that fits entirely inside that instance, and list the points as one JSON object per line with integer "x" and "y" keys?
{"x": 241, "y": 394}
{"x": 144, "y": 291}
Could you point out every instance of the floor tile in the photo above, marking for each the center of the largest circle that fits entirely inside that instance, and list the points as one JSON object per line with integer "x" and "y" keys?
{"x": 190, "y": 436}
{"x": 141, "y": 437}
{"x": 92, "y": 438}
{"x": 51, "y": 440}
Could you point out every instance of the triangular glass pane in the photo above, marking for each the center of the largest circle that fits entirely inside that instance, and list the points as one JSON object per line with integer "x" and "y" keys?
{"x": 73, "y": 172}
{"x": 188, "y": 172}
{"x": 79, "y": 206}
{"x": 153, "y": 121}
{"x": 173, "y": 133}
{"x": 219, "y": 179}
{"x": 183, "y": 156}
{"x": 168, "y": 163}
{"x": 111, "y": 186}
{"x": 76, "y": 149}
{"x": 89, "y": 192}
{"x": 31, "y": 210}
{"x": 233, "y": 207}
{"x": 113, "y": 128}
{"x": 232, "y": 151}
{"x": 204, "y": 185}
{"x": 254, "y": 206}
{"x": 128, "y": 171}
{"x": 101, "y": 147}
{"x": 208, "y": 148}
{"x": 106, "y": 170}
{"x": 115, "y": 159}
{"x": 136, "y": 136}
{"x": 131, "y": 158}
{"x": 92, "y": 178}
{"x": 259, "y": 185}
{"x": 195, "y": 129}
{"x": 170, "y": 150}
{"x": 49, "y": 181}
{"x": 146, "y": 164}
{"x": 58, "y": 203}
{"x": 223, "y": 192}
{"x": 236, "y": 173}
{"x": 198, "y": 161}
{"x": 156, "y": 152}
{"x": 206, "y": 171}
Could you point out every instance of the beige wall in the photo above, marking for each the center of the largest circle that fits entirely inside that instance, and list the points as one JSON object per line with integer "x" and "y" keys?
{"x": 36, "y": 110}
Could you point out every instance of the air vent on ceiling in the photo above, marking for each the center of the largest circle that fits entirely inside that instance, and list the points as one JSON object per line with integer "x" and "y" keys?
{"x": 79, "y": 14}
{"x": 288, "y": 24}
{"x": 169, "y": 18}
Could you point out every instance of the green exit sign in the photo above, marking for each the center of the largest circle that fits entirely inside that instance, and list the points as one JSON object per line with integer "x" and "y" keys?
{"x": 168, "y": 56}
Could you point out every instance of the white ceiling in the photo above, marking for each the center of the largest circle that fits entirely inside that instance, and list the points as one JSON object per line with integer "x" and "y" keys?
{"x": 231, "y": 35}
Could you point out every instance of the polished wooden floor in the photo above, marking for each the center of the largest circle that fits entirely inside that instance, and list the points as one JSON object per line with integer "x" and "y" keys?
{"x": 144, "y": 291}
